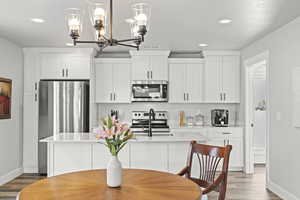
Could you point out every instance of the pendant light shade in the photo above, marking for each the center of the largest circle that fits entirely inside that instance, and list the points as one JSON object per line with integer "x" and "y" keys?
{"x": 74, "y": 22}
{"x": 142, "y": 14}
{"x": 98, "y": 15}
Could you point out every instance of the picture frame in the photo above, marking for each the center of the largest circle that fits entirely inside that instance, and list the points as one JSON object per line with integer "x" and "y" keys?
{"x": 5, "y": 98}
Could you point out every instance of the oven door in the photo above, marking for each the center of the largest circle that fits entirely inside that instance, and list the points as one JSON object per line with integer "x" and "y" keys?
{"x": 145, "y": 92}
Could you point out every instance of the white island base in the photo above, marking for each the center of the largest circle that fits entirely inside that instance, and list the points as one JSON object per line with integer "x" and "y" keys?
{"x": 70, "y": 152}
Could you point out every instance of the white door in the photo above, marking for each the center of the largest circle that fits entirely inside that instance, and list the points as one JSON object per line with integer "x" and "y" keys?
{"x": 213, "y": 79}
{"x": 104, "y": 82}
{"x": 159, "y": 68}
{"x": 140, "y": 68}
{"x": 152, "y": 156}
{"x": 52, "y": 66}
{"x": 177, "y": 83}
{"x": 78, "y": 67}
{"x": 194, "y": 82}
{"x": 121, "y": 82}
{"x": 231, "y": 78}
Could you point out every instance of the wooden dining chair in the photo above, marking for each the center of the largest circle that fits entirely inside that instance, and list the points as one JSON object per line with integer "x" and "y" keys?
{"x": 210, "y": 158}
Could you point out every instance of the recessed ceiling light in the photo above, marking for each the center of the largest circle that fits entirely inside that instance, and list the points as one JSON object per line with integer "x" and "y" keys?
{"x": 225, "y": 21}
{"x": 37, "y": 20}
{"x": 202, "y": 45}
{"x": 69, "y": 44}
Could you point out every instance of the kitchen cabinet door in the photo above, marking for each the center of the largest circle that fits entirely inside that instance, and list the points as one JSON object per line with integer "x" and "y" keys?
{"x": 152, "y": 156}
{"x": 140, "y": 67}
{"x": 101, "y": 156}
{"x": 231, "y": 78}
{"x": 177, "y": 82}
{"x": 71, "y": 158}
{"x": 52, "y": 66}
{"x": 104, "y": 82}
{"x": 77, "y": 67}
{"x": 213, "y": 79}
{"x": 236, "y": 157}
{"x": 194, "y": 82}
{"x": 178, "y": 154}
{"x": 159, "y": 68}
{"x": 121, "y": 82}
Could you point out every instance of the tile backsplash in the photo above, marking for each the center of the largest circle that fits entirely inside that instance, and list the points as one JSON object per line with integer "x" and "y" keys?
{"x": 172, "y": 109}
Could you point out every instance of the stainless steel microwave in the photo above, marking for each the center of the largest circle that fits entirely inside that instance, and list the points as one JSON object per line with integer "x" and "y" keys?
{"x": 149, "y": 91}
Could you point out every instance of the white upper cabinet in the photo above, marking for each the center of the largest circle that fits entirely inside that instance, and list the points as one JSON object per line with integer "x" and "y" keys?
{"x": 78, "y": 67}
{"x": 112, "y": 80}
{"x": 52, "y": 66}
{"x": 177, "y": 82}
{"x": 186, "y": 80}
{"x": 231, "y": 78}
{"x": 64, "y": 66}
{"x": 149, "y": 65}
{"x": 222, "y": 78}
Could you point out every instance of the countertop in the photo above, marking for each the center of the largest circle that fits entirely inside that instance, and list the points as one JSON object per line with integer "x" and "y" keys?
{"x": 90, "y": 138}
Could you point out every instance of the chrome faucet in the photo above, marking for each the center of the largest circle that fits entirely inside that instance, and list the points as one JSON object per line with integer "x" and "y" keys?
{"x": 151, "y": 117}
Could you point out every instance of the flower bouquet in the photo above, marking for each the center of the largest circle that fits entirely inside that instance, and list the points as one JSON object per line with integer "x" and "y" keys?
{"x": 115, "y": 135}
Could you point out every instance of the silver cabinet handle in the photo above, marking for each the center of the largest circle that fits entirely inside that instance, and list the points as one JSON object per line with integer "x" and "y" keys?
{"x": 114, "y": 96}
{"x": 221, "y": 96}
{"x": 63, "y": 73}
{"x": 67, "y": 73}
{"x": 151, "y": 74}
{"x": 35, "y": 97}
{"x": 35, "y": 86}
{"x": 224, "y": 142}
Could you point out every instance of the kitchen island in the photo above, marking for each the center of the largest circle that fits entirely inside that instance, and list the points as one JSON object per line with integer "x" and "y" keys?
{"x": 69, "y": 152}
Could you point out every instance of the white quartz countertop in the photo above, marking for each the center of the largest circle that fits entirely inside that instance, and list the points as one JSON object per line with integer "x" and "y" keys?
{"x": 90, "y": 138}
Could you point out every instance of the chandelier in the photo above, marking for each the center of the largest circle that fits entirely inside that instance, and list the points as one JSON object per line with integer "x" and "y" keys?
{"x": 139, "y": 24}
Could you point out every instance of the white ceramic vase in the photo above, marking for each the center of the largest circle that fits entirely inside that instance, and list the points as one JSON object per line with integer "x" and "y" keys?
{"x": 114, "y": 172}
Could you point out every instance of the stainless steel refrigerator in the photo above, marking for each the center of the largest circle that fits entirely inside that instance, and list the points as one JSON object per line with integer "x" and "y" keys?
{"x": 63, "y": 108}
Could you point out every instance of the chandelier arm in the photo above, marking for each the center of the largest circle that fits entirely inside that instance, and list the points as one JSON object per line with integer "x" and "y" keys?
{"x": 111, "y": 20}
{"x": 129, "y": 40}
{"x": 128, "y": 45}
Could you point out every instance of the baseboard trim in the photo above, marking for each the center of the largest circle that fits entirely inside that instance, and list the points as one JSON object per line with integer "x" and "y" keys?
{"x": 281, "y": 192}
{"x": 30, "y": 170}
{"x": 11, "y": 175}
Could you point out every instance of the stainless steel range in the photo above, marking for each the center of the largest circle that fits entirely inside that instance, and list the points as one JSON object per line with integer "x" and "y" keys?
{"x": 158, "y": 123}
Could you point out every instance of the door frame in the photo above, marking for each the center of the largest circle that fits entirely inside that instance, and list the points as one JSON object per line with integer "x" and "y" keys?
{"x": 249, "y": 150}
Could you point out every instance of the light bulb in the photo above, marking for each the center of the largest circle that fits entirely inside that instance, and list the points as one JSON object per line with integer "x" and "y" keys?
{"x": 74, "y": 24}
{"x": 135, "y": 30}
{"x": 102, "y": 32}
{"x": 141, "y": 19}
{"x": 99, "y": 13}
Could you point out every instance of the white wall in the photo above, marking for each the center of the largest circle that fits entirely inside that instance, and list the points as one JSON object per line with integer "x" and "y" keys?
{"x": 11, "y": 66}
{"x": 284, "y": 49}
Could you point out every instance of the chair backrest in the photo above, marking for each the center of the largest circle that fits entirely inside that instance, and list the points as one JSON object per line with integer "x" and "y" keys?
{"x": 210, "y": 158}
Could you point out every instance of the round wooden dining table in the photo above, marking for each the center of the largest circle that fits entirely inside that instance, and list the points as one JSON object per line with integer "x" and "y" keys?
{"x": 91, "y": 185}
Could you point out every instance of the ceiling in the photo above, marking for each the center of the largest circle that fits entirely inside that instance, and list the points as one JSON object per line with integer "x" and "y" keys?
{"x": 175, "y": 24}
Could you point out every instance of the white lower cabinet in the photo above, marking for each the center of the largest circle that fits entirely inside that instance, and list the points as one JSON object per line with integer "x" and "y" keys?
{"x": 178, "y": 154}
{"x": 101, "y": 156}
{"x": 71, "y": 157}
{"x": 152, "y": 156}
{"x": 161, "y": 156}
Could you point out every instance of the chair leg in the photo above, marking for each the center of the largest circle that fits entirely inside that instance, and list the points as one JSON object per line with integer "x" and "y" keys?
{"x": 222, "y": 191}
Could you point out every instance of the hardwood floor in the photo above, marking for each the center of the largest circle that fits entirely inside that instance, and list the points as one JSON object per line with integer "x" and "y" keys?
{"x": 240, "y": 186}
